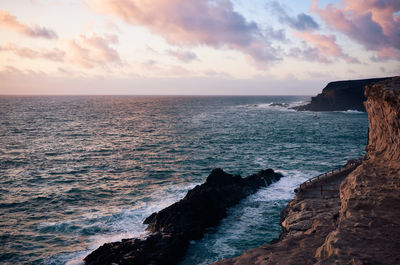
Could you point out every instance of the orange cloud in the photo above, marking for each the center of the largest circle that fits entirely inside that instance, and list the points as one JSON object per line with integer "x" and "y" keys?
{"x": 52, "y": 55}
{"x": 10, "y": 22}
{"x": 94, "y": 50}
{"x": 375, "y": 24}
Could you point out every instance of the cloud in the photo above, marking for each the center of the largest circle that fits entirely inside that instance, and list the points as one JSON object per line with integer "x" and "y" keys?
{"x": 325, "y": 47}
{"x": 184, "y": 56}
{"x": 301, "y": 22}
{"x": 309, "y": 54}
{"x": 375, "y": 24}
{"x": 94, "y": 50}
{"x": 194, "y": 22}
{"x": 216, "y": 74}
{"x": 52, "y": 55}
{"x": 84, "y": 51}
{"x": 9, "y": 21}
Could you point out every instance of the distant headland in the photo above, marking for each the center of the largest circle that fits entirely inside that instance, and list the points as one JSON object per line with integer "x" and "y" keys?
{"x": 340, "y": 96}
{"x": 351, "y": 218}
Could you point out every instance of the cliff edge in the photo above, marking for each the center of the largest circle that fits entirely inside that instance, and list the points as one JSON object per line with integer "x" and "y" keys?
{"x": 353, "y": 218}
{"x": 368, "y": 229}
{"x": 340, "y": 96}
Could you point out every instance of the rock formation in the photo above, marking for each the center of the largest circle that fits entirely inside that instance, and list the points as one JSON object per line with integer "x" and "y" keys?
{"x": 340, "y": 96}
{"x": 357, "y": 219}
{"x": 368, "y": 230}
{"x": 173, "y": 227}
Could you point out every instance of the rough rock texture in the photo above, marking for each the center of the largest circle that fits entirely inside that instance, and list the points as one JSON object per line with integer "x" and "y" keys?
{"x": 368, "y": 230}
{"x": 306, "y": 221}
{"x": 383, "y": 106}
{"x": 173, "y": 227}
{"x": 360, "y": 222}
{"x": 340, "y": 96}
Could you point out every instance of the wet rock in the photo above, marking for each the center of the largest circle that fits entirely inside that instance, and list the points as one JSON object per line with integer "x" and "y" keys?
{"x": 175, "y": 226}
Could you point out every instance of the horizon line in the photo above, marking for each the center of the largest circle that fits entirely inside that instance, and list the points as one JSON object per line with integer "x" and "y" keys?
{"x": 161, "y": 95}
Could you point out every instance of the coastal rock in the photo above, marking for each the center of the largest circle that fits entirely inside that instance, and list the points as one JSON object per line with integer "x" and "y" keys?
{"x": 358, "y": 220}
{"x": 383, "y": 106}
{"x": 175, "y": 226}
{"x": 340, "y": 96}
{"x": 368, "y": 230}
{"x": 306, "y": 221}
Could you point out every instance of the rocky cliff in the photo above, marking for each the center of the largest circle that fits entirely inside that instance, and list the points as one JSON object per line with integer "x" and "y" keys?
{"x": 355, "y": 219}
{"x": 340, "y": 96}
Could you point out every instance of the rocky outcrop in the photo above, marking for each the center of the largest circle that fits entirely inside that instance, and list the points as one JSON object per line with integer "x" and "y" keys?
{"x": 368, "y": 229}
{"x": 340, "y": 96}
{"x": 383, "y": 106}
{"x": 358, "y": 221}
{"x": 173, "y": 227}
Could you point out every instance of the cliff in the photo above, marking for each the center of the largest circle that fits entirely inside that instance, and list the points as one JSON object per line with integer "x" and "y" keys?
{"x": 340, "y": 96}
{"x": 355, "y": 219}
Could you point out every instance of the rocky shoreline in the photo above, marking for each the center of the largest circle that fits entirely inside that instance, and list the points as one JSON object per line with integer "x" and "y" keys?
{"x": 175, "y": 226}
{"x": 350, "y": 217}
{"x": 358, "y": 220}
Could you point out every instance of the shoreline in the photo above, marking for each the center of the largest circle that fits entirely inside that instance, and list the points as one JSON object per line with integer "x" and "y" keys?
{"x": 358, "y": 221}
{"x": 300, "y": 220}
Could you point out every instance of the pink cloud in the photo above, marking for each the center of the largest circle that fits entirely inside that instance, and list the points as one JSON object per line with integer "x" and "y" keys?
{"x": 325, "y": 47}
{"x": 372, "y": 23}
{"x": 84, "y": 51}
{"x": 52, "y": 55}
{"x": 94, "y": 50}
{"x": 193, "y": 22}
{"x": 10, "y": 22}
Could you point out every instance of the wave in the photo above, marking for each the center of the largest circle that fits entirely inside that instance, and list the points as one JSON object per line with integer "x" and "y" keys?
{"x": 352, "y": 112}
{"x": 114, "y": 225}
{"x": 271, "y": 106}
{"x": 285, "y": 106}
{"x": 253, "y": 222}
{"x": 284, "y": 188}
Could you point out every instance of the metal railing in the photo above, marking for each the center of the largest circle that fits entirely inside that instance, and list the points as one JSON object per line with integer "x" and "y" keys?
{"x": 350, "y": 166}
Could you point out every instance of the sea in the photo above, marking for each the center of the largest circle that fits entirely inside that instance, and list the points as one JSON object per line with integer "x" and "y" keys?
{"x": 79, "y": 171}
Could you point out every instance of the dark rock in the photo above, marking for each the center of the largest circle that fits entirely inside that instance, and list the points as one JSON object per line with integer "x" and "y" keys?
{"x": 175, "y": 226}
{"x": 340, "y": 96}
{"x": 283, "y": 105}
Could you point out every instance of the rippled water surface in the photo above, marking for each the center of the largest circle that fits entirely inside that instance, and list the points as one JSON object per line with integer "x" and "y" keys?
{"x": 76, "y": 172}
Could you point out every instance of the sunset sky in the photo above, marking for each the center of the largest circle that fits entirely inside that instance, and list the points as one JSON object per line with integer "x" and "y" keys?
{"x": 221, "y": 47}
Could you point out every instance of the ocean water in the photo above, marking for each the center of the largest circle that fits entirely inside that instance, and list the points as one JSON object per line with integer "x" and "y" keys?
{"x": 79, "y": 171}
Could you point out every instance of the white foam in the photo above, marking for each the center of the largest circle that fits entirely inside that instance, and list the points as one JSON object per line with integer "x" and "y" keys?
{"x": 249, "y": 215}
{"x": 352, "y": 112}
{"x": 284, "y": 188}
{"x": 124, "y": 223}
{"x": 298, "y": 103}
{"x": 286, "y": 106}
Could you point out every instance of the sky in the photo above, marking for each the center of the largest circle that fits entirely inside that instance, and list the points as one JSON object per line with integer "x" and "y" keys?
{"x": 194, "y": 47}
